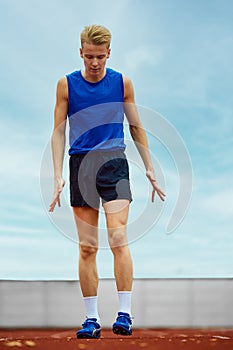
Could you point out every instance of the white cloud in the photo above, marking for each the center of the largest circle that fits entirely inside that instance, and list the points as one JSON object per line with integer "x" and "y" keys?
{"x": 140, "y": 56}
{"x": 215, "y": 200}
{"x": 220, "y": 204}
{"x": 20, "y": 154}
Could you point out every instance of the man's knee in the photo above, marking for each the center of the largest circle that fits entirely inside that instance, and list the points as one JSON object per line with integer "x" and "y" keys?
{"x": 87, "y": 251}
{"x": 117, "y": 239}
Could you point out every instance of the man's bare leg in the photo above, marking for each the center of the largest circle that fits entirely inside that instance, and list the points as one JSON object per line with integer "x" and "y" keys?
{"x": 116, "y": 217}
{"x": 87, "y": 224}
{"x": 116, "y": 213}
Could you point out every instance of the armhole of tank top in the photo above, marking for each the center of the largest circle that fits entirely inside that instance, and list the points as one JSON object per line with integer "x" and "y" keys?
{"x": 68, "y": 86}
{"x": 68, "y": 89}
{"x": 122, "y": 88}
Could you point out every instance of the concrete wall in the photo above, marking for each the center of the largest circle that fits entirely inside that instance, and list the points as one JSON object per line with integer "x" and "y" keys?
{"x": 156, "y": 303}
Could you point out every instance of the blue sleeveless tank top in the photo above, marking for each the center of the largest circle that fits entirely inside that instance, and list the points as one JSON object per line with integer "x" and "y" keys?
{"x": 96, "y": 113}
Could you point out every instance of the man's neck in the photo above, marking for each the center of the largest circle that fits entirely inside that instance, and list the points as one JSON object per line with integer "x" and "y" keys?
{"x": 91, "y": 78}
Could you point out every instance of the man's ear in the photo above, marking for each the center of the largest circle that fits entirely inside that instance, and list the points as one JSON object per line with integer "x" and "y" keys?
{"x": 81, "y": 52}
{"x": 108, "y": 54}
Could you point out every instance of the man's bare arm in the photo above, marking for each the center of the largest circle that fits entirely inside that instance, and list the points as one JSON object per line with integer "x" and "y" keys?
{"x": 139, "y": 136}
{"x": 58, "y": 139}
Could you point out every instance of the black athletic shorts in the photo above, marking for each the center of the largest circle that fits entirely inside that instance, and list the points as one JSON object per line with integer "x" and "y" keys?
{"x": 98, "y": 175}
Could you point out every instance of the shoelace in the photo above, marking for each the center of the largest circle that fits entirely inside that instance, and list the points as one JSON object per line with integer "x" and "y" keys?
{"x": 123, "y": 318}
{"x": 85, "y": 323}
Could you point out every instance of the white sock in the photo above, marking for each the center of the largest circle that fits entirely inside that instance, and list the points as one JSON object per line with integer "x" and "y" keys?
{"x": 91, "y": 304}
{"x": 125, "y": 301}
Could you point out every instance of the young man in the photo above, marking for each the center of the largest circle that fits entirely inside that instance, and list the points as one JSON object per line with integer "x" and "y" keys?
{"x": 95, "y": 100}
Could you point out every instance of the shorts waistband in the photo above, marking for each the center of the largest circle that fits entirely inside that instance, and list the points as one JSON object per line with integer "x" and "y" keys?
{"x": 99, "y": 152}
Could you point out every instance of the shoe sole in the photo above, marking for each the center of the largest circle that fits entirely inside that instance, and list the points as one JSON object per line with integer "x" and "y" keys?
{"x": 120, "y": 330}
{"x": 86, "y": 336}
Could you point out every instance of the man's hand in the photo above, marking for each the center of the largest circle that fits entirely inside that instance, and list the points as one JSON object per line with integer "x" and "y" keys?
{"x": 151, "y": 176}
{"x": 58, "y": 187}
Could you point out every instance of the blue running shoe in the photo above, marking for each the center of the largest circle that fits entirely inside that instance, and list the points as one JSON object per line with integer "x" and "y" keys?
{"x": 91, "y": 329}
{"x": 123, "y": 324}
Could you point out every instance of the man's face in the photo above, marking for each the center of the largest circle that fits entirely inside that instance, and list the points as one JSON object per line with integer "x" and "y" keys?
{"x": 94, "y": 57}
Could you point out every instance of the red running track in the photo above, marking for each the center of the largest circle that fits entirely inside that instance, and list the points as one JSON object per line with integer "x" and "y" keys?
{"x": 149, "y": 339}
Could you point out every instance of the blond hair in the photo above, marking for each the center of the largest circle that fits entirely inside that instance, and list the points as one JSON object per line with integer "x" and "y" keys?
{"x": 96, "y": 35}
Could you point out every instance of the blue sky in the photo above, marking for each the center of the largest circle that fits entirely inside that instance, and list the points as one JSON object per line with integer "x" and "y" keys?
{"x": 179, "y": 56}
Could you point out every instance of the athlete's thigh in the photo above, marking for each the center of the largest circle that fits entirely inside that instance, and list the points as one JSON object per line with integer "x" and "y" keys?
{"x": 86, "y": 220}
{"x": 116, "y": 213}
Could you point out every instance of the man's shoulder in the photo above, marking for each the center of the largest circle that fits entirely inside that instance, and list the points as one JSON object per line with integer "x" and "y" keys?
{"x": 74, "y": 74}
{"x": 62, "y": 82}
{"x": 127, "y": 81}
{"x": 113, "y": 72}
{"x": 62, "y": 87}
{"x": 128, "y": 89}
